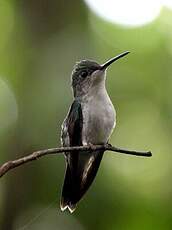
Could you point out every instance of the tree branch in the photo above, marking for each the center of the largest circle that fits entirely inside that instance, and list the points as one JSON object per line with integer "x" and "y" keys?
{"x": 37, "y": 154}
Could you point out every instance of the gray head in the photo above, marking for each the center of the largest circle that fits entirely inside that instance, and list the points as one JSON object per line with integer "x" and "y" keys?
{"x": 88, "y": 74}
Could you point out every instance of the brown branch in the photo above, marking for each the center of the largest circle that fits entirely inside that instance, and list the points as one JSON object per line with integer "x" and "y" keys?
{"x": 35, "y": 155}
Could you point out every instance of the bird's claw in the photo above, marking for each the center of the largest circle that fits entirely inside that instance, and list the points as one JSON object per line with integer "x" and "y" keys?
{"x": 92, "y": 147}
{"x": 108, "y": 145}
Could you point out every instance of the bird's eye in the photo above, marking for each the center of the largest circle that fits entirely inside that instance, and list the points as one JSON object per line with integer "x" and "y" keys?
{"x": 84, "y": 74}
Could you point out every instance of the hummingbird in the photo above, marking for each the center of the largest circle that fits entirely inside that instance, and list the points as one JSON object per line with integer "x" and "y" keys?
{"x": 90, "y": 121}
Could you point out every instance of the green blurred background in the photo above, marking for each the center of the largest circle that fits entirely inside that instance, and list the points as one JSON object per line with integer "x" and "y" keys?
{"x": 39, "y": 43}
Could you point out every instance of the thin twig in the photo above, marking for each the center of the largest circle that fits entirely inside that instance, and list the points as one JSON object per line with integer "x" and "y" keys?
{"x": 35, "y": 155}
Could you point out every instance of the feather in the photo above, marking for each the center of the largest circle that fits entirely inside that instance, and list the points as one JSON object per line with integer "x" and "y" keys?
{"x": 81, "y": 167}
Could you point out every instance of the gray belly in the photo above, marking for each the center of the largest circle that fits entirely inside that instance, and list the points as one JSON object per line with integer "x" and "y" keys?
{"x": 98, "y": 122}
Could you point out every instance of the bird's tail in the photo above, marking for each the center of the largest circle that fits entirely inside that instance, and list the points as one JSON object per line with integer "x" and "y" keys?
{"x": 78, "y": 178}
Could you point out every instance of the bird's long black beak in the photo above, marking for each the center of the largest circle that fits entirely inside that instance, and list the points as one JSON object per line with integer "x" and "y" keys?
{"x": 109, "y": 62}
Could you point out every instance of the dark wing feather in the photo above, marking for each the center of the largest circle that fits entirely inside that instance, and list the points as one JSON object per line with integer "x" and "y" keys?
{"x": 81, "y": 167}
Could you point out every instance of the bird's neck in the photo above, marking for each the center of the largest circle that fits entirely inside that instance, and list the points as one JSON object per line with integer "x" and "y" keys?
{"x": 96, "y": 91}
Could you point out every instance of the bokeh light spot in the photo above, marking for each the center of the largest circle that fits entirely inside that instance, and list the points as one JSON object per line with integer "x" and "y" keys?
{"x": 128, "y": 13}
{"x": 168, "y": 3}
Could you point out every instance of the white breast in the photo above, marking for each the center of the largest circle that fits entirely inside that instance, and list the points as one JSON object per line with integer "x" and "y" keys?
{"x": 99, "y": 118}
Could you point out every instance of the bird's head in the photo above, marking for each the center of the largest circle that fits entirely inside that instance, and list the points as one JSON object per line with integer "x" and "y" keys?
{"x": 88, "y": 74}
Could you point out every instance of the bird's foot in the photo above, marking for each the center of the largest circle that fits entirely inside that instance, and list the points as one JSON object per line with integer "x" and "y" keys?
{"x": 92, "y": 147}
